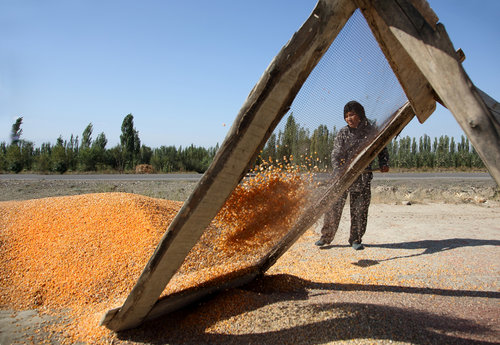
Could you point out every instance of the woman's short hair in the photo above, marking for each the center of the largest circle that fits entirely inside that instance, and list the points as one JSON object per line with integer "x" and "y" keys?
{"x": 355, "y": 107}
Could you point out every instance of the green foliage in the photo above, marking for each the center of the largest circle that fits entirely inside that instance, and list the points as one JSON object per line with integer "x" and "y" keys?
{"x": 310, "y": 149}
{"x": 72, "y": 149}
{"x": 43, "y": 158}
{"x": 129, "y": 140}
{"x": 16, "y": 131}
{"x": 289, "y": 138}
{"x": 406, "y": 152}
{"x": 115, "y": 156}
{"x": 321, "y": 147}
{"x": 87, "y": 136}
{"x": 269, "y": 151}
{"x": 59, "y": 158}
{"x": 14, "y": 158}
{"x": 98, "y": 153}
{"x": 3, "y": 156}
{"x": 146, "y": 153}
{"x": 168, "y": 159}
{"x": 165, "y": 159}
{"x": 443, "y": 153}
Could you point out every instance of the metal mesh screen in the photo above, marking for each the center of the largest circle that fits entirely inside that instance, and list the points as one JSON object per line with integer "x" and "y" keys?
{"x": 267, "y": 203}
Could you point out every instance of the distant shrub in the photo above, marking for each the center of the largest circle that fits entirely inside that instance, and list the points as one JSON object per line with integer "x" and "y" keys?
{"x": 144, "y": 169}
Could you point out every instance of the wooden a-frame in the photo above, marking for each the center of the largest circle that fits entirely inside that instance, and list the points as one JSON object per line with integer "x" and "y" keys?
{"x": 427, "y": 67}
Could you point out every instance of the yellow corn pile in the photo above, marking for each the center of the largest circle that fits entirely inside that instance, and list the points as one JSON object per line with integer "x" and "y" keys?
{"x": 85, "y": 253}
{"x": 64, "y": 251}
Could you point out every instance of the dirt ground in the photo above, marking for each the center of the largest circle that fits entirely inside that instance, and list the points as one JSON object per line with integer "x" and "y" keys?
{"x": 429, "y": 275}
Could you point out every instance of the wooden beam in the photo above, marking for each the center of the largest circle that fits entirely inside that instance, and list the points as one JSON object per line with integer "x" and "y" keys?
{"x": 267, "y": 103}
{"x": 415, "y": 85}
{"x": 492, "y": 105}
{"x": 171, "y": 303}
{"x": 435, "y": 56}
{"x": 422, "y": 6}
{"x": 340, "y": 184}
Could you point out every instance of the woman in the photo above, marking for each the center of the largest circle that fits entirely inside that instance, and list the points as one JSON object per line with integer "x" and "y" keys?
{"x": 348, "y": 142}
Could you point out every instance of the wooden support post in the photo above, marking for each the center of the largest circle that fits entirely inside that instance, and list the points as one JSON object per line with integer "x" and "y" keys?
{"x": 415, "y": 85}
{"x": 492, "y": 105}
{"x": 340, "y": 184}
{"x": 267, "y": 103}
{"x": 433, "y": 53}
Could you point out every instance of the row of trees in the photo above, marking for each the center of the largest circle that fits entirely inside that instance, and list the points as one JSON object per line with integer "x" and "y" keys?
{"x": 313, "y": 150}
{"x": 90, "y": 154}
{"x": 293, "y": 142}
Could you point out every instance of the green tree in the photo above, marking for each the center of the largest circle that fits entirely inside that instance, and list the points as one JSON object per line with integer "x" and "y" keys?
{"x": 393, "y": 153}
{"x": 14, "y": 158}
{"x": 404, "y": 152}
{"x": 453, "y": 153}
{"x": 87, "y": 137}
{"x": 476, "y": 160}
{"x": 3, "y": 153}
{"x": 414, "y": 162}
{"x": 269, "y": 152}
{"x": 442, "y": 151}
{"x": 320, "y": 147}
{"x": 16, "y": 131}
{"x": 195, "y": 159}
{"x": 86, "y": 155}
{"x": 87, "y": 159}
{"x": 59, "y": 158}
{"x": 43, "y": 158}
{"x": 463, "y": 152}
{"x": 290, "y": 138}
{"x": 116, "y": 158}
{"x": 13, "y": 155}
{"x": 72, "y": 149}
{"x": 425, "y": 151}
{"x": 98, "y": 152}
{"x": 129, "y": 140}
{"x": 27, "y": 153}
{"x": 145, "y": 155}
{"x": 165, "y": 159}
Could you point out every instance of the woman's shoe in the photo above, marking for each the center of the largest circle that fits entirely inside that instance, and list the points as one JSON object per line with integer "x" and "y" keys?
{"x": 358, "y": 246}
{"x": 320, "y": 242}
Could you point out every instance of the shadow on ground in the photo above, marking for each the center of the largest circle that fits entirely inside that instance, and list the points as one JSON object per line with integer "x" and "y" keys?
{"x": 428, "y": 247}
{"x": 345, "y": 321}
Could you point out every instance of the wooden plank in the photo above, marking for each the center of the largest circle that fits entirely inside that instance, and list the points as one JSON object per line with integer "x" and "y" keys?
{"x": 426, "y": 11}
{"x": 415, "y": 85}
{"x": 492, "y": 105}
{"x": 267, "y": 103}
{"x": 340, "y": 184}
{"x": 435, "y": 56}
{"x": 179, "y": 300}
{"x": 171, "y": 303}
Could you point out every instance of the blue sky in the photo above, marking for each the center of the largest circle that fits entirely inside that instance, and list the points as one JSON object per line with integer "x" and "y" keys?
{"x": 183, "y": 69}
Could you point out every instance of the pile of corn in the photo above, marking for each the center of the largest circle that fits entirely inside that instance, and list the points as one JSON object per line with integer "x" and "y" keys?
{"x": 85, "y": 253}
{"x": 77, "y": 250}
{"x": 75, "y": 253}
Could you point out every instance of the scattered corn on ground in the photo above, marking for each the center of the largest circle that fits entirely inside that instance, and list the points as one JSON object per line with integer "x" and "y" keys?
{"x": 410, "y": 286}
{"x": 84, "y": 253}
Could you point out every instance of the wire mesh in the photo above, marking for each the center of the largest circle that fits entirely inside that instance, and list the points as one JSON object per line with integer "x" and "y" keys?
{"x": 266, "y": 204}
